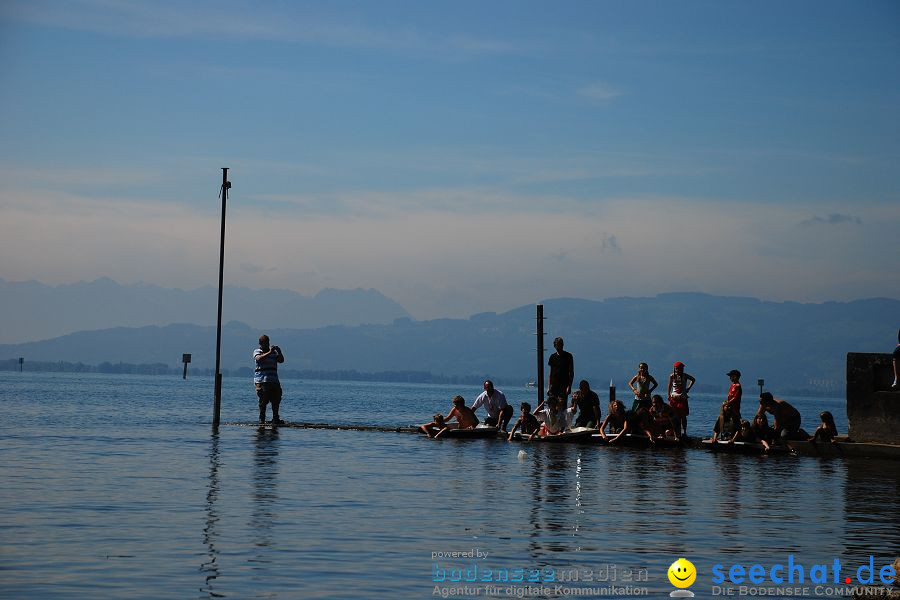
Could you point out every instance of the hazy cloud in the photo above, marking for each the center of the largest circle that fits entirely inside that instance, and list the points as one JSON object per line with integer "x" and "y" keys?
{"x": 251, "y": 268}
{"x": 247, "y": 20}
{"x": 609, "y": 243}
{"x": 832, "y": 219}
{"x": 438, "y": 261}
{"x": 601, "y": 92}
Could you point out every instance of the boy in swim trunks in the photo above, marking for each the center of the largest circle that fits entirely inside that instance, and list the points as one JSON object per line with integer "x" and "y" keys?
{"x": 465, "y": 416}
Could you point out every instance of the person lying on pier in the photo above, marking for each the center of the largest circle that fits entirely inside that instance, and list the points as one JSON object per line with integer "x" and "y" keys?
{"x": 588, "y": 403}
{"x": 787, "y": 418}
{"x": 729, "y": 421}
{"x": 663, "y": 420}
{"x": 437, "y": 425}
{"x": 827, "y": 431}
{"x": 527, "y": 422}
{"x": 465, "y": 416}
{"x": 680, "y": 383}
{"x": 615, "y": 420}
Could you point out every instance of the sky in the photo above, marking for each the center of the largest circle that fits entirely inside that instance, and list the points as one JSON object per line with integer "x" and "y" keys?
{"x": 457, "y": 156}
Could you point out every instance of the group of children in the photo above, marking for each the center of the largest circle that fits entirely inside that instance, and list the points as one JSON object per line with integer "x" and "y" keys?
{"x": 650, "y": 415}
{"x": 554, "y": 419}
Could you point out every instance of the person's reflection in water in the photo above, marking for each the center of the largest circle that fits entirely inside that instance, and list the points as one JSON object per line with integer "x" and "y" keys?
{"x": 729, "y": 503}
{"x": 675, "y": 468}
{"x": 552, "y": 488}
{"x": 265, "y": 486}
{"x": 210, "y": 568}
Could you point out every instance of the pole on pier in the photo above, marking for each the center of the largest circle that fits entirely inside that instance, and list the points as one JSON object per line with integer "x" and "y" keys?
{"x": 21, "y": 362}
{"x": 186, "y": 359}
{"x": 540, "y": 355}
{"x": 217, "y": 406}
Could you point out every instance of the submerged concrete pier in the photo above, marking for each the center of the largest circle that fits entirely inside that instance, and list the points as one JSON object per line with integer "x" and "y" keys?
{"x": 873, "y": 409}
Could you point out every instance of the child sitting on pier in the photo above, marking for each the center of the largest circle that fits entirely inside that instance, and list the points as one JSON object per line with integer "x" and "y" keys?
{"x": 761, "y": 430}
{"x": 527, "y": 422}
{"x": 615, "y": 419}
{"x": 827, "y": 431}
{"x": 555, "y": 416}
{"x": 465, "y": 416}
{"x": 437, "y": 425}
{"x": 744, "y": 434}
{"x": 664, "y": 422}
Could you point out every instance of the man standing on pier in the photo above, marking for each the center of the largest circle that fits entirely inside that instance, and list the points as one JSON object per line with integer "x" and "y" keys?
{"x": 562, "y": 372}
{"x": 268, "y": 388}
{"x": 494, "y": 401}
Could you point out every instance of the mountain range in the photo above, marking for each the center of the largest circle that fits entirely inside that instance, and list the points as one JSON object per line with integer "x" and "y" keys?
{"x": 35, "y": 311}
{"x": 791, "y": 345}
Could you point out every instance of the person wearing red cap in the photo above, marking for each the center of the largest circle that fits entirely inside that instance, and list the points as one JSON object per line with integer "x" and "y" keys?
{"x": 680, "y": 383}
{"x": 729, "y": 421}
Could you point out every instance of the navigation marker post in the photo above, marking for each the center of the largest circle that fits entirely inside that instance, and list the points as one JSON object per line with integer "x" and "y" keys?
{"x": 217, "y": 406}
{"x": 540, "y": 355}
{"x": 185, "y": 358}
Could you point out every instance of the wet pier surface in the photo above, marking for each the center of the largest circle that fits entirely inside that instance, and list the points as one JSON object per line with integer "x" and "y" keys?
{"x": 844, "y": 449}
{"x": 298, "y": 425}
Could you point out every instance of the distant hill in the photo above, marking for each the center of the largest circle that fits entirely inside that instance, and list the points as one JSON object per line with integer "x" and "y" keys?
{"x": 33, "y": 311}
{"x": 793, "y": 346}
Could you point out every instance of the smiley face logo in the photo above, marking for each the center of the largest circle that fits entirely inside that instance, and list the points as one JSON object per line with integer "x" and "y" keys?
{"x": 682, "y": 573}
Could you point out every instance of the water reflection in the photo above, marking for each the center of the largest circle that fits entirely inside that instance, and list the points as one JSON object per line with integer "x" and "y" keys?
{"x": 871, "y": 506}
{"x": 730, "y": 500}
{"x": 553, "y": 485}
{"x": 210, "y": 568}
{"x": 265, "y": 488}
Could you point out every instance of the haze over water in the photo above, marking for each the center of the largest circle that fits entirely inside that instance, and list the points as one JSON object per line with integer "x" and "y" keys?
{"x": 115, "y": 487}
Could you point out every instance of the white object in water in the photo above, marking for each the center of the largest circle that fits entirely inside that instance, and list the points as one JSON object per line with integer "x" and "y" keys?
{"x": 522, "y": 454}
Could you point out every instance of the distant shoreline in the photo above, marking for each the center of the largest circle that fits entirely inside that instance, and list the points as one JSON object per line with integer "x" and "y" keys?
{"x": 338, "y": 375}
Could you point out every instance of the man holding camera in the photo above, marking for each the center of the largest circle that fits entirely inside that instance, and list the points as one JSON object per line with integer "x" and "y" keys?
{"x": 268, "y": 388}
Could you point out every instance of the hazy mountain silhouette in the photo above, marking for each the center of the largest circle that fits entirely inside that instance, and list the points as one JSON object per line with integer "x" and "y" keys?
{"x": 791, "y": 345}
{"x": 34, "y": 311}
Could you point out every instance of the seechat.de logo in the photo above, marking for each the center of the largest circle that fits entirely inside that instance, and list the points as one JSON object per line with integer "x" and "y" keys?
{"x": 682, "y": 574}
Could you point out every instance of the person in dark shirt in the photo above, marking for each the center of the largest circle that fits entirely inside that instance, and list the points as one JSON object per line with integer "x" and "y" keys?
{"x": 527, "y": 422}
{"x": 562, "y": 371}
{"x": 787, "y": 418}
{"x": 588, "y": 403}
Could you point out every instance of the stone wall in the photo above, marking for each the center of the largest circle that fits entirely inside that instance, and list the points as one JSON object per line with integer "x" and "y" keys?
{"x": 873, "y": 410}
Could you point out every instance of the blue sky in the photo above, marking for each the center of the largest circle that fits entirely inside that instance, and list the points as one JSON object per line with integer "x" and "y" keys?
{"x": 457, "y": 156}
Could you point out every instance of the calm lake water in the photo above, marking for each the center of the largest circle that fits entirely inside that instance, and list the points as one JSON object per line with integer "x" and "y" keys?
{"x": 116, "y": 487}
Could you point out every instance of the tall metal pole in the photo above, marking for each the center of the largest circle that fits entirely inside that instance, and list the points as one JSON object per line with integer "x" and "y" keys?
{"x": 217, "y": 407}
{"x": 540, "y": 354}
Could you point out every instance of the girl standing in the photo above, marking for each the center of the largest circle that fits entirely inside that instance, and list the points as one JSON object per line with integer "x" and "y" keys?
{"x": 680, "y": 383}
